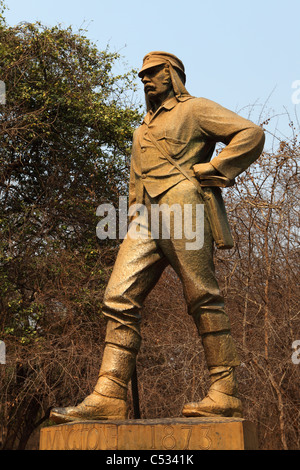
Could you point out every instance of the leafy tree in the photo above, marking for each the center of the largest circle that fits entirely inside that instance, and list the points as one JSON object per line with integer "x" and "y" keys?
{"x": 65, "y": 139}
{"x": 65, "y": 131}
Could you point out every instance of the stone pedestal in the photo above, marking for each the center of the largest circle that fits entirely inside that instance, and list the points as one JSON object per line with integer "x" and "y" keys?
{"x": 152, "y": 434}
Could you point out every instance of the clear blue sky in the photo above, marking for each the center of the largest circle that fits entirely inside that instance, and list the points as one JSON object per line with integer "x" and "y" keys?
{"x": 237, "y": 53}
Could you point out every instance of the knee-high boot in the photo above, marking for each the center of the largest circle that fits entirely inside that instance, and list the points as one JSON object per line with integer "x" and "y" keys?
{"x": 221, "y": 356}
{"x": 109, "y": 398}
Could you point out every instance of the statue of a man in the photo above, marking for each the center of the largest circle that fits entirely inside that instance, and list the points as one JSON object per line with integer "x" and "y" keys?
{"x": 171, "y": 153}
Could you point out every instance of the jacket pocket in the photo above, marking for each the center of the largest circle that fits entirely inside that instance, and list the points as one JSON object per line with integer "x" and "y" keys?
{"x": 174, "y": 147}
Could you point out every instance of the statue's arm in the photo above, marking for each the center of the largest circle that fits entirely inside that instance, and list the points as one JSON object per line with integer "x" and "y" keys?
{"x": 244, "y": 140}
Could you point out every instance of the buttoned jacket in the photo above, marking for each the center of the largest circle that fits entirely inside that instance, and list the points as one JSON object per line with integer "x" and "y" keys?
{"x": 189, "y": 130}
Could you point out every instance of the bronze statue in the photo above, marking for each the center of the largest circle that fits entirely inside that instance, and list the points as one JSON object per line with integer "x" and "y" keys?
{"x": 171, "y": 164}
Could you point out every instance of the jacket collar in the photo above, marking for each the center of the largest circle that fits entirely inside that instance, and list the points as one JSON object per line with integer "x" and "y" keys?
{"x": 167, "y": 105}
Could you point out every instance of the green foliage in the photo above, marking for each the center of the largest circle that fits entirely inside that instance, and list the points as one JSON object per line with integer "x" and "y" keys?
{"x": 66, "y": 133}
{"x": 2, "y": 10}
{"x": 64, "y": 124}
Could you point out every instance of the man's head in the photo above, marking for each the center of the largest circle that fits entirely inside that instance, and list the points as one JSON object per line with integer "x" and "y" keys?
{"x": 163, "y": 75}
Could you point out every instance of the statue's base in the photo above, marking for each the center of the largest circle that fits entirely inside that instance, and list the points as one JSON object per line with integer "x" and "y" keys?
{"x": 152, "y": 434}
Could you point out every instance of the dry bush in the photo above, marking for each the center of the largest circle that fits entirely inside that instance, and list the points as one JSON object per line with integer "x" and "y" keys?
{"x": 171, "y": 362}
{"x": 259, "y": 279}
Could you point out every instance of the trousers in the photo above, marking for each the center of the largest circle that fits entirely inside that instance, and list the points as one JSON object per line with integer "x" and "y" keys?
{"x": 142, "y": 259}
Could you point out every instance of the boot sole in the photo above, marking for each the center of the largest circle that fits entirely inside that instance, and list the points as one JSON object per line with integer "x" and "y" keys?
{"x": 61, "y": 419}
{"x": 198, "y": 414}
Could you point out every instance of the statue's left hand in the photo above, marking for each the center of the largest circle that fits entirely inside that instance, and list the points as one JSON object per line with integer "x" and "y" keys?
{"x": 205, "y": 169}
{"x": 209, "y": 176}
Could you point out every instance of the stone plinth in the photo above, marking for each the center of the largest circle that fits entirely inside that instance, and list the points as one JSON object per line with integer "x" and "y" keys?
{"x": 152, "y": 434}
